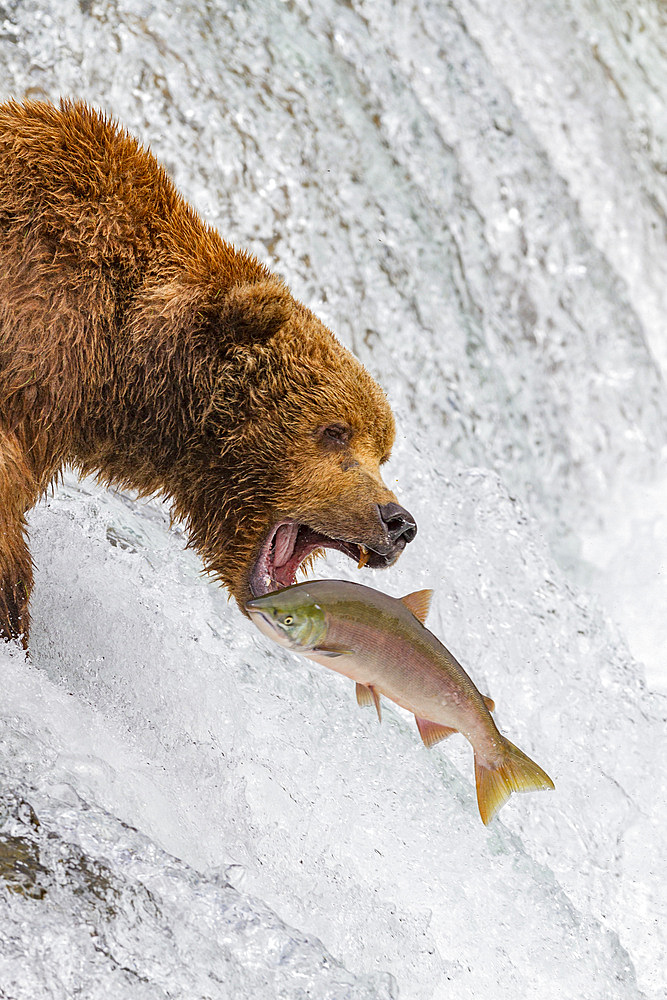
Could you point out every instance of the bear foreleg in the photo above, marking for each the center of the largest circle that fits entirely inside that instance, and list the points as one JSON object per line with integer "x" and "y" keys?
{"x": 18, "y": 493}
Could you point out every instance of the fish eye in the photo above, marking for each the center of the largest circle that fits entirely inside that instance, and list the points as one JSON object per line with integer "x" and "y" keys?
{"x": 288, "y": 620}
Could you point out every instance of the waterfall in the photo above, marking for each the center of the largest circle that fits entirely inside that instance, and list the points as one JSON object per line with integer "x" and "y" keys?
{"x": 471, "y": 195}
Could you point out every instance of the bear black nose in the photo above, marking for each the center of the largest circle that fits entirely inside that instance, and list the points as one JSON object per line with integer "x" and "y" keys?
{"x": 398, "y": 521}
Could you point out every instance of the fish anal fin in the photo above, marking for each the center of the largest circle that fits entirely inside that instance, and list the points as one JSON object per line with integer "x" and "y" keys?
{"x": 432, "y": 732}
{"x": 489, "y": 702}
{"x": 418, "y": 602}
{"x": 367, "y": 695}
{"x": 516, "y": 773}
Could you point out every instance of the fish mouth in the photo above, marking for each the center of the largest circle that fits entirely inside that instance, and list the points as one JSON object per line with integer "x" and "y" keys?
{"x": 290, "y": 543}
{"x": 260, "y": 616}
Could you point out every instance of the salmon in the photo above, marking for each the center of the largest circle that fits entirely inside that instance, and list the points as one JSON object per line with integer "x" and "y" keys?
{"x": 381, "y": 643}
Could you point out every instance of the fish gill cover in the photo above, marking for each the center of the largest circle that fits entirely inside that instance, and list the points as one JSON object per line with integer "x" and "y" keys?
{"x": 187, "y": 812}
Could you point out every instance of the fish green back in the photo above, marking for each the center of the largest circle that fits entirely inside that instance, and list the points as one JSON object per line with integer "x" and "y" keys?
{"x": 361, "y": 612}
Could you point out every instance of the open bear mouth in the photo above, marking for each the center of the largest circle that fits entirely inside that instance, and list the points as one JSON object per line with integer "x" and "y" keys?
{"x": 289, "y": 543}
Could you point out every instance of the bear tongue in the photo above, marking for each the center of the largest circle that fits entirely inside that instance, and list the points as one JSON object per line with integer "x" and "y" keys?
{"x": 284, "y": 543}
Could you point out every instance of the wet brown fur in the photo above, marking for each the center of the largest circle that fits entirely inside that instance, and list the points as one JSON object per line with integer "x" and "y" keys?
{"x": 137, "y": 345}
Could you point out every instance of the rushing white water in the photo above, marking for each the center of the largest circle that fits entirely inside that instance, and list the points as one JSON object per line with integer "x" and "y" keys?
{"x": 472, "y": 195}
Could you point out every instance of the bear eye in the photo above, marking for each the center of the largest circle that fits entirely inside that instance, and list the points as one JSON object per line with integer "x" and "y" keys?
{"x": 336, "y": 434}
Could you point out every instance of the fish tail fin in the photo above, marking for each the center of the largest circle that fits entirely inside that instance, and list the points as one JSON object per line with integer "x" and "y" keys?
{"x": 515, "y": 773}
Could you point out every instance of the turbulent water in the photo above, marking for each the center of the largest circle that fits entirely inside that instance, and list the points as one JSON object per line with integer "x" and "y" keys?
{"x": 472, "y": 194}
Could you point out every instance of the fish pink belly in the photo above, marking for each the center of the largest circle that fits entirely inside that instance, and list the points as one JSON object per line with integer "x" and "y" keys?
{"x": 416, "y": 675}
{"x": 429, "y": 695}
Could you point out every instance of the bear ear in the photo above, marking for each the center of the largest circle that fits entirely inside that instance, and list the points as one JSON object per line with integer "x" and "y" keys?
{"x": 253, "y": 312}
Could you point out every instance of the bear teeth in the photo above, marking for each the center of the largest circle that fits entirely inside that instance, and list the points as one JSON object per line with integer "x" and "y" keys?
{"x": 289, "y": 545}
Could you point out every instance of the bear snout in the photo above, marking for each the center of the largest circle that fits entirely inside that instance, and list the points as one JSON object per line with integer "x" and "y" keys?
{"x": 399, "y": 522}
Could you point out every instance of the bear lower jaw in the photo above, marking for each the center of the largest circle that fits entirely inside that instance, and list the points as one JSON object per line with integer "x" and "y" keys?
{"x": 290, "y": 543}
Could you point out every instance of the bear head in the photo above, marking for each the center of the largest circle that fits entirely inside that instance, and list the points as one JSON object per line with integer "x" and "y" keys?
{"x": 292, "y": 438}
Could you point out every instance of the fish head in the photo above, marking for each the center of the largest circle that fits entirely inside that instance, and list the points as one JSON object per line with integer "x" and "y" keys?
{"x": 290, "y": 617}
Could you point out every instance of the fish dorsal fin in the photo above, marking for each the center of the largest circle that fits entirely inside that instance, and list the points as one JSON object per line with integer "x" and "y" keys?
{"x": 432, "y": 732}
{"x": 489, "y": 702}
{"x": 367, "y": 695}
{"x": 418, "y": 602}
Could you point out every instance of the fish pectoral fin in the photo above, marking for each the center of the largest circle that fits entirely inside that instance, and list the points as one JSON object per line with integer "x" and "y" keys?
{"x": 432, "y": 732}
{"x": 367, "y": 695}
{"x": 489, "y": 702}
{"x": 332, "y": 651}
{"x": 418, "y": 602}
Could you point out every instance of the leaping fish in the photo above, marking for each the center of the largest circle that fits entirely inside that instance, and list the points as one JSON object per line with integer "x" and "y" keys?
{"x": 381, "y": 643}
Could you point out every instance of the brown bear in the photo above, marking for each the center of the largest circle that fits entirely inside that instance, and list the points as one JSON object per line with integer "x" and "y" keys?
{"x": 137, "y": 345}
